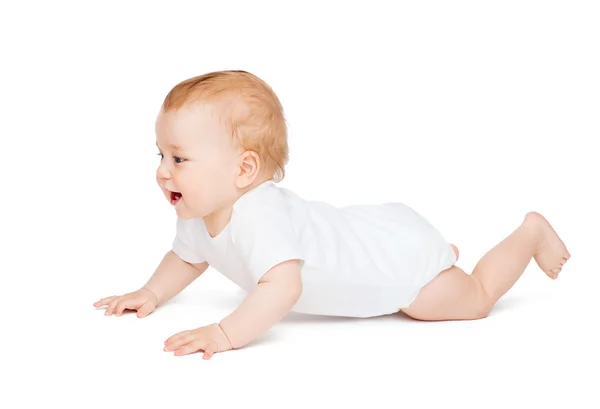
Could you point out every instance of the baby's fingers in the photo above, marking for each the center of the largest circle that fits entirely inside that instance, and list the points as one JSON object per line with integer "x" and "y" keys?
{"x": 126, "y": 303}
{"x": 189, "y": 347}
{"x": 103, "y": 301}
{"x": 209, "y": 350}
{"x": 111, "y": 306}
{"x": 145, "y": 309}
{"x": 178, "y": 340}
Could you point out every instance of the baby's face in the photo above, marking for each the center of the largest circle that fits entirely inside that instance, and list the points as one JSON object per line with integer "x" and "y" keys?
{"x": 198, "y": 164}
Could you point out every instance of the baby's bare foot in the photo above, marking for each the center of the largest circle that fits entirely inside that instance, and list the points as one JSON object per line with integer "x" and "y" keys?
{"x": 551, "y": 253}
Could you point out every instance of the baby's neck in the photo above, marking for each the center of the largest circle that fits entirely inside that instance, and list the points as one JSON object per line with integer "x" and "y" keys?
{"x": 217, "y": 221}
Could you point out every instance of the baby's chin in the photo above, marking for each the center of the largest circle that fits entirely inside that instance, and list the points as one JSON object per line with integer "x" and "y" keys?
{"x": 186, "y": 213}
{"x": 195, "y": 210}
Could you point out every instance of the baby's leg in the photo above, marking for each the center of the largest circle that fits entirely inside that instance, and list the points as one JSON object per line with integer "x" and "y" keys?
{"x": 455, "y": 295}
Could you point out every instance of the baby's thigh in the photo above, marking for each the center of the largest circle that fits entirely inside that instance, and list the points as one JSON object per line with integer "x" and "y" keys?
{"x": 452, "y": 295}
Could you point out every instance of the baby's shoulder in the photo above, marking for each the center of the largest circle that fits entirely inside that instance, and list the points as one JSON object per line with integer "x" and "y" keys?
{"x": 267, "y": 208}
{"x": 263, "y": 200}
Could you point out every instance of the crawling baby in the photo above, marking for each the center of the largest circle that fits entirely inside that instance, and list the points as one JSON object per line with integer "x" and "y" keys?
{"x": 222, "y": 141}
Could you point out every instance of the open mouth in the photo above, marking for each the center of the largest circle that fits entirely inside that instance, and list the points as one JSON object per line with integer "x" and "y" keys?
{"x": 175, "y": 196}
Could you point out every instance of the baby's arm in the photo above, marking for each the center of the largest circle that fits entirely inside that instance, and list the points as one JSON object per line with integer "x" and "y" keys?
{"x": 172, "y": 276}
{"x": 274, "y": 296}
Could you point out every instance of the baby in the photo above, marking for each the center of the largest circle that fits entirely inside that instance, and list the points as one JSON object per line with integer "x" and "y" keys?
{"x": 222, "y": 141}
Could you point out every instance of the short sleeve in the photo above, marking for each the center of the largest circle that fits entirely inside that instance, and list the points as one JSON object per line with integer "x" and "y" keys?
{"x": 184, "y": 245}
{"x": 264, "y": 238}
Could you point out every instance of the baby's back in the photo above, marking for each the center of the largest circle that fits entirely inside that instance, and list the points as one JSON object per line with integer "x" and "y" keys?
{"x": 364, "y": 259}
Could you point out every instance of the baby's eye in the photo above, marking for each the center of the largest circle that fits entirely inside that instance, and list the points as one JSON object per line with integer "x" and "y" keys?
{"x": 177, "y": 159}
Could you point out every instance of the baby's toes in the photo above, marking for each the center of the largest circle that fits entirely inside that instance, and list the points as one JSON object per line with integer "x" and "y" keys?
{"x": 553, "y": 274}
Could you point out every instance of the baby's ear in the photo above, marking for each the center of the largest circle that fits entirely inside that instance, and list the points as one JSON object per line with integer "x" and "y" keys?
{"x": 249, "y": 168}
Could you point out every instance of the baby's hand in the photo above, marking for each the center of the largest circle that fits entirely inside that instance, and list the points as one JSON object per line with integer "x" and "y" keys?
{"x": 210, "y": 339}
{"x": 142, "y": 300}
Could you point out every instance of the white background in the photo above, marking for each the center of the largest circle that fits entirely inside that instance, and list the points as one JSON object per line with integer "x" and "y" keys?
{"x": 471, "y": 112}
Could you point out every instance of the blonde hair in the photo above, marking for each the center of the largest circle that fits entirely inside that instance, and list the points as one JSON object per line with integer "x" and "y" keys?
{"x": 251, "y": 112}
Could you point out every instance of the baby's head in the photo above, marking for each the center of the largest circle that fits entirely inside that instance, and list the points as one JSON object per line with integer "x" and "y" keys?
{"x": 219, "y": 135}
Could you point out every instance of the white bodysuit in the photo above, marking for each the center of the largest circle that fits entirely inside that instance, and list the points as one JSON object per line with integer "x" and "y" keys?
{"x": 358, "y": 261}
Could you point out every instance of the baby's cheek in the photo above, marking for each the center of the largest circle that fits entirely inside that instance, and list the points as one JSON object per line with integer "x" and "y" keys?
{"x": 198, "y": 197}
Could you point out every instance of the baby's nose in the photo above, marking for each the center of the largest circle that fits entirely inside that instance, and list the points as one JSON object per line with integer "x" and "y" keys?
{"x": 162, "y": 172}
